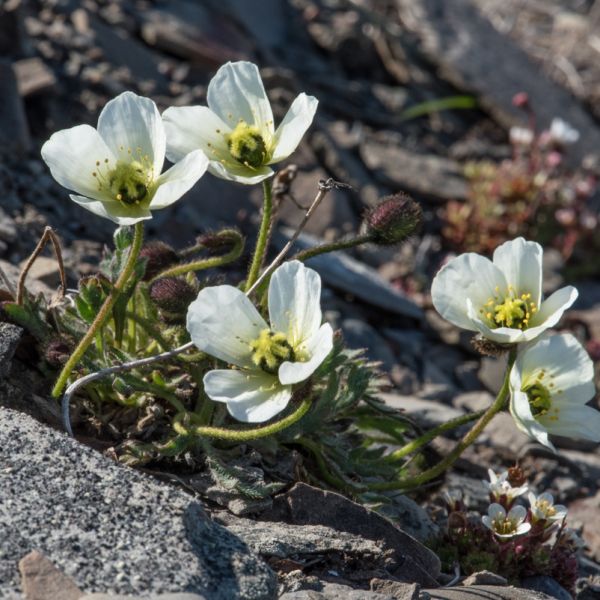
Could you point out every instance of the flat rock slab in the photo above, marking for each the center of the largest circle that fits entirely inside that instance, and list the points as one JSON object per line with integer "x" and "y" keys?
{"x": 477, "y": 58}
{"x": 486, "y": 592}
{"x": 110, "y": 528}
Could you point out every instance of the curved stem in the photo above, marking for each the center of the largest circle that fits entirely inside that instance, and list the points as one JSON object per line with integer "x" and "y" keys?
{"x": 205, "y": 263}
{"x": 103, "y": 313}
{"x": 430, "y": 435}
{"x": 332, "y": 247}
{"x": 261, "y": 242}
{"x": 468, "y": 439}
{"x": 246, "y": 435}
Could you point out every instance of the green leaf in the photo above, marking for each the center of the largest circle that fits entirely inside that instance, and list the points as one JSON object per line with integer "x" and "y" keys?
{"x": 431, "y": 106}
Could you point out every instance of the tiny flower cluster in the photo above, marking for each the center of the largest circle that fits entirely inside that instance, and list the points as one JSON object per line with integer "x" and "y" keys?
{"x": 511, "y": 540}
{"x": 551, "y": 378}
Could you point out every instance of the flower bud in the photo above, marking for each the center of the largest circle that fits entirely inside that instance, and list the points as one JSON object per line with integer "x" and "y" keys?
{"x": 57, "y": 353}
{"x": 516, "y": 476}
{"x": 159, "y": 256}
{"x": 219, "y": 240}
{"x": 393, "y": 220}
{"x": 489, "y": 347}
{"x": 172, "y": 295}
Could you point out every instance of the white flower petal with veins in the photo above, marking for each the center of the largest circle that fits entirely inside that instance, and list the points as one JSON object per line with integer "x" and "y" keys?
{"x": 560, "y": 367}
{"x": 224, "y": 323}
{"x": 236, "y": 98}
{"x": 500, "y": 299}
{"x": 116, "y": 169}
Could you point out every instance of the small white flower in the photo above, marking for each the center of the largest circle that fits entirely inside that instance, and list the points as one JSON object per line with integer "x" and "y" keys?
{"x": 499, "y": 487}
{"x": 550, "y": 383}
{"x": 236, "y": 130}
{"x": 562, "y": 133}
{"x": 521, "y": 136}
{"x": 116, "y": 168}
{"x": 506, "y": 526}
{"x": 543, "y": 508}
{"x": 501, "y": 299}
{"x": 270, "y": 358}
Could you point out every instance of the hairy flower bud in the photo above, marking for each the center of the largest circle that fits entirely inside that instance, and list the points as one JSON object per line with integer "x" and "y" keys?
{"x": 516, "y": 476}
{"x": 489, "y": 347}
{"x": 172, "y": 295}
{"x": 393, "y": 220}
{"x": 159, "y": 256}
{"x": 57, "y": 353}
{"x": 219, "y": 240}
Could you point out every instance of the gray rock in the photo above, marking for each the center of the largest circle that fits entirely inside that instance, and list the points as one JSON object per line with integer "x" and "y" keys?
{"x": 465, "y": 46}
{"x": 484, "y": 578}
{"x": 336, "y": 591}
{"x": 175, "y": 596}
{"x": 426, "y": 412}
{"x": 306, "y": 505}
{"x": 110, "y": 528}
{"x": 14, "y": 130}
{"x": 358, "y": 334}
{"x": 283, "y": 540}
{"x": 485, "y": 592}
{"x": 547, "y": 585}
{"x": 396, "y": 589}
{"x": 10, "y": 335}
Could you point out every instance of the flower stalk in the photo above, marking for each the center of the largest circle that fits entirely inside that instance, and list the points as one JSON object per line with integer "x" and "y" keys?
{"x": 261, "y": 242}
{"x": 470, "y": 437}
{"x": 104, "y": 311}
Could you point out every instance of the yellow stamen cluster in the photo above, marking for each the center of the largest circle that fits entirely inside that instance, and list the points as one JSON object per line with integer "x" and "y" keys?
{"x": 505, "y": 525}
{"x": 540, "y": 388}
{"x": 130, "y": 180}
{"x": 545, "y": 507}
{"x": 509, "y": 310}
{"x": 247, "y": 146}
{"x": 270, "y": 350}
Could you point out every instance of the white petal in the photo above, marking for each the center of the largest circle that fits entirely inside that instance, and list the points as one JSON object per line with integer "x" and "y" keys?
{"x": 132, "y": 123}
{"x": 115, "y": 211}
{"x": 466, "y": 276}
{"x": 190, "y": 128}
{"x": 250, "y": 397}
{"x": 234, "y": 171}
{"x": 175, "y": 182}
{"x": 487, "y": 522}
{"x": 517, "y": 512}
{"x": 575, "y": 421}
{"x": 294, "y": 125}
{"x": 521, "y": 413}
{"x": 566, "y": 364}
{"x": 71, "y": 155}
{"x": 521, "y": 263}
{"x": 317, "y": 347}
{"x": 237, "y": 92}
{"x": 523, "y": 528}
{"x": 552, "y": 310}
{"x": 295, "y": 301}
{"x": 496, "y": 511}
{"x": 222, "y": 322}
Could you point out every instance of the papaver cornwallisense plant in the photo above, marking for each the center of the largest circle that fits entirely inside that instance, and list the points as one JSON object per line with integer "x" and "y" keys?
{"x": 172, "y": 367}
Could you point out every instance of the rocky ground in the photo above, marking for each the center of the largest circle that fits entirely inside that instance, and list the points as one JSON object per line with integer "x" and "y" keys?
{"x": 97, "y": 528}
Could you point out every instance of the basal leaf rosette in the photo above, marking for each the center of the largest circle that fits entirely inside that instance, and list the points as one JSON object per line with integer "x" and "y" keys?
{"x": 550, "y": 384}
{"x": 236, "y": 129}
{"x": 501, "y": 299}
{"x": 115, "y": 169}
{"x": 269, "y": 359}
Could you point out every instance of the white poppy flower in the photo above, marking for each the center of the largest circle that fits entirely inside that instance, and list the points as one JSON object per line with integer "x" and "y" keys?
{"x": 563, "y": 133}
{"x": 115, "y": 169}
{"x": 224, "y": 323}
{"x": 499, "y": 487}
{"x": 501, "y": 299}
{"x": 236, "y": 130}
{"x": 550, "y": 383}
{"x": 505, "y": 525}
{"x": 543, "y": 508}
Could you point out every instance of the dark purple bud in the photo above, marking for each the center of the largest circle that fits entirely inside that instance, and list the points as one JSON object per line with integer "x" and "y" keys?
{"x": 393, "y": 220}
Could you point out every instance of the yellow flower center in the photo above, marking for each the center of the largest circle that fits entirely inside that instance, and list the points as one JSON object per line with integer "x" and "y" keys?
{"x": 509, "y": 310}
{"x": 130, "y": 182}
{"x": 540, "y": 399}
{"x": 247, "y": 145}
{"x": 270, "y": 350}
{"x": 545, "y": 508}
{"x": 504, "y": 525}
